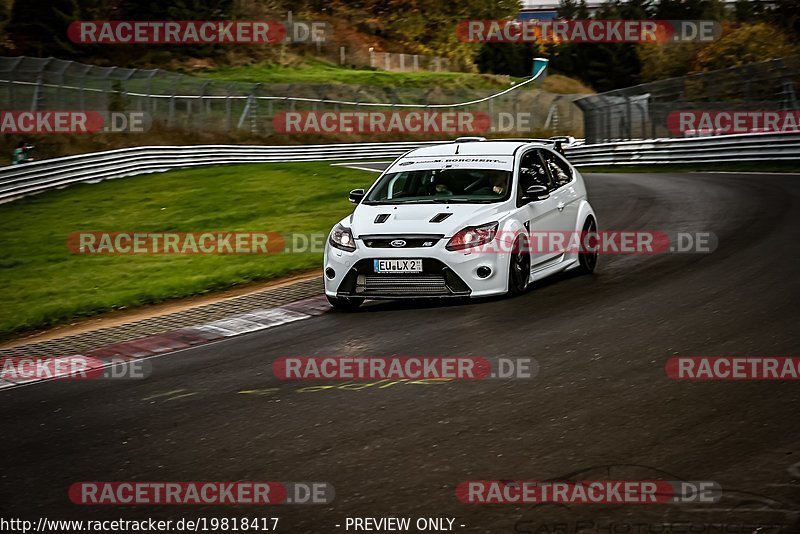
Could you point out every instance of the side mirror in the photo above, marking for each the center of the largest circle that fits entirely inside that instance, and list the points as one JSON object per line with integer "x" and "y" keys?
{"x": 536, "y": 192}
{"x": 356, "y": 196}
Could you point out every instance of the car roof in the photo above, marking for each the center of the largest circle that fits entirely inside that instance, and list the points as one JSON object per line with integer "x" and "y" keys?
{"x": 475, "y": 148}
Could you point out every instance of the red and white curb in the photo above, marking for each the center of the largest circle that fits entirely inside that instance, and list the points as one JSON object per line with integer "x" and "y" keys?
{"x": 192, "y": 336}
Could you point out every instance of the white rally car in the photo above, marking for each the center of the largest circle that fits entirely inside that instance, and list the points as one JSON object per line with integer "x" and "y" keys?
{"x": 428, "y": 225}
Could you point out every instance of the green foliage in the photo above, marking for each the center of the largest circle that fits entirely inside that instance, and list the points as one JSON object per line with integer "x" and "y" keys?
{"x": 604, "y": 66}
{"x": 424, "y": 27}
{"x": 752, "y": 32}
{"x": 746, "y": 44}
{"x": 660, "y": 61}
{"x": 515, "y": 59}
{"x": 39, "y": 27}
{"x": 739, "y": 45}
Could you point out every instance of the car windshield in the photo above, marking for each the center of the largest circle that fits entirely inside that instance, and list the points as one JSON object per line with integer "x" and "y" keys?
{"x": 441, "y": 185}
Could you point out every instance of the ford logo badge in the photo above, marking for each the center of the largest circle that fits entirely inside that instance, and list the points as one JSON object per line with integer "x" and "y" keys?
{"x": 398, "y": 243}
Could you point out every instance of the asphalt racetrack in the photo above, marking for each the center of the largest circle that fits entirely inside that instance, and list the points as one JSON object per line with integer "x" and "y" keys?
{"x": 601, "y": 406}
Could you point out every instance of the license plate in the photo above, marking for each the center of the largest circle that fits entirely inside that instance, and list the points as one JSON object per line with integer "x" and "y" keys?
{"x": 398, "y": 266}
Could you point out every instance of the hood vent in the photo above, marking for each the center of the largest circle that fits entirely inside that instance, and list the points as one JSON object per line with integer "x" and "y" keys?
{"x": 439, "y": 217}
{"x": 381, "y": 218}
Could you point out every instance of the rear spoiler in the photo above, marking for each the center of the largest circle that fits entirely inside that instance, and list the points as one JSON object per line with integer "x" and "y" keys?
{"x": 558, "y": 142}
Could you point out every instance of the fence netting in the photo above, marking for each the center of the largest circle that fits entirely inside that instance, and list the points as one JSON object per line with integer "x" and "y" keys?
{"x": 191, "y": 102}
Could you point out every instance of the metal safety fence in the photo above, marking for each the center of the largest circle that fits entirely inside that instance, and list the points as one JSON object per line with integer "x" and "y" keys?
{"x": 643, "y": 111}
{"x": 21, "y": 180}
{"x": 176, "y": 100}
{"x": 738, "y": 148}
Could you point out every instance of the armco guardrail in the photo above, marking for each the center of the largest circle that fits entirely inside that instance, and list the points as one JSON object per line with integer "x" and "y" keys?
{"x": 714, "y": 149}
{"x": 19, "y": 180}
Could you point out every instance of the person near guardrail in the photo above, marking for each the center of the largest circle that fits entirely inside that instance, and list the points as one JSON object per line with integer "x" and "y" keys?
{"x": 20, "y": 154}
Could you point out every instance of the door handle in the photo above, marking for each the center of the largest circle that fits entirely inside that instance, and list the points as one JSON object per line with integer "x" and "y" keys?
{"x": 560, "y": 206}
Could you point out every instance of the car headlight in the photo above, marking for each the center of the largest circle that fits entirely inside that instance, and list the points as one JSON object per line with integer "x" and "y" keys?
{"x": 342, "y": 238}
{"x": 472, "y": 236}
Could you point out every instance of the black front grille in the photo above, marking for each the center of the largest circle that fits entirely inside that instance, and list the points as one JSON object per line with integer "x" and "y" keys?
{"x": 435, "y": 280}
{"x": 408, "y": 241}
{"x": 392, "y": 284}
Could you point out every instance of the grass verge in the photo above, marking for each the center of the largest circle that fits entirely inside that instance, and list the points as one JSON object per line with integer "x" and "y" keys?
{"x": 320, "y": 72}
{"x": 43, "y": 284}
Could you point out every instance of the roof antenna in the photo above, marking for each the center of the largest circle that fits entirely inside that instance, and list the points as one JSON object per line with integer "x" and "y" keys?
{"x": 457, "y": 147}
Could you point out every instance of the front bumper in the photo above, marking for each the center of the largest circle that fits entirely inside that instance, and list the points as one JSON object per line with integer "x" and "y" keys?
{"x": 445, "y": 274}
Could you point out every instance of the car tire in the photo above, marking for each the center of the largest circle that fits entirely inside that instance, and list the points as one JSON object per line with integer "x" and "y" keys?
{"x": 345, "y": 303}
{"x": 519, "y": 269}
{"x": 587, "y": 261}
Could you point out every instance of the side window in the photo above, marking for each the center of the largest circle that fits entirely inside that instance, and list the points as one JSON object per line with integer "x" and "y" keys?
{"x": 532, "y": 172}
{"x": 559, "y": 169}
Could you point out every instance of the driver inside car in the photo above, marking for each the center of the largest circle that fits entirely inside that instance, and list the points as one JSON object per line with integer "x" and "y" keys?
{"x": 441, "y": 189}
{"x": 496, "y": 186}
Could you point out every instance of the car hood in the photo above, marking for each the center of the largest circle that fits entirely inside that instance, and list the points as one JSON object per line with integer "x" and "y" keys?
{"x": 416, "y": 218}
